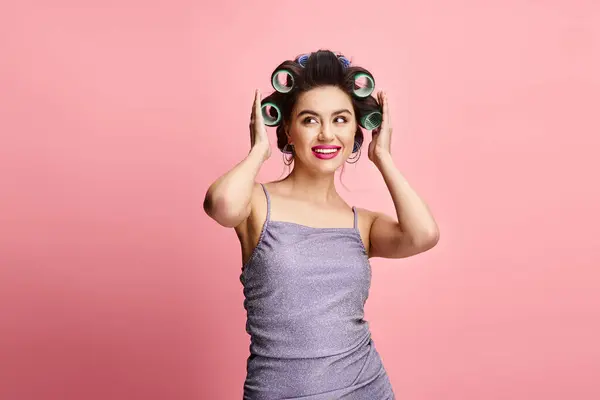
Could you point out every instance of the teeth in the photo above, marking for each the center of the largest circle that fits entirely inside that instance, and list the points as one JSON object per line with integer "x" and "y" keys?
{"x": 325, "y": 151}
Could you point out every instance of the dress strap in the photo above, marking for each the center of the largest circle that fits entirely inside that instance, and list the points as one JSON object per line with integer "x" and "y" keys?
{"x": 355, "y": 217}
{"x": 268, "y": 202}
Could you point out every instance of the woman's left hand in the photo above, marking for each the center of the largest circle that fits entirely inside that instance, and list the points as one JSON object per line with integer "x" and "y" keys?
{"x": 380, "y": 145}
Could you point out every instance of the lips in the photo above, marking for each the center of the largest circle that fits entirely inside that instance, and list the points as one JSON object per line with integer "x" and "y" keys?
{"x": 326, "y": 152}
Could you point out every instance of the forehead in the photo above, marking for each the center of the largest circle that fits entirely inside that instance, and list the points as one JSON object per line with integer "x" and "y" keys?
{"x": 324, "y": 100}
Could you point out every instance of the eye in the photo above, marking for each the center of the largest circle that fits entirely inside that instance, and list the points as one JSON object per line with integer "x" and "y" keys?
{"x": 343, "y": 119}
{"x": 307, "y": 119}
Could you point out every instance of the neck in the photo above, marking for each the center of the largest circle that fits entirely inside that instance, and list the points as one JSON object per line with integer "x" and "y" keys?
{"x": 314, "y": 187}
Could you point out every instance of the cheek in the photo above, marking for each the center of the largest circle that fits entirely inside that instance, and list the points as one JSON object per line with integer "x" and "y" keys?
{"x": 349, "y": 136}
{"x": 304, "y": 134}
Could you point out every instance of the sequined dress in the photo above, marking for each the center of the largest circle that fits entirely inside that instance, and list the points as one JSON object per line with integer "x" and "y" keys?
{"x": 304, "y": 293}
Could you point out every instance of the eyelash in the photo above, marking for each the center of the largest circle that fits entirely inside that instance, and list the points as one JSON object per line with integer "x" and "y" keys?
{"x": 309, "y": 118}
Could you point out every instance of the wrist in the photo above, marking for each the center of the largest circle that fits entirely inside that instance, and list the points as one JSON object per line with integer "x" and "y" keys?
{"x": 382, "y": 158}
{"x": 260, "y": 152}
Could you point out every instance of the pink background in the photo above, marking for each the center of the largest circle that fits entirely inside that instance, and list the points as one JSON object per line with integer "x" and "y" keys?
{"x": 116, "y": 116}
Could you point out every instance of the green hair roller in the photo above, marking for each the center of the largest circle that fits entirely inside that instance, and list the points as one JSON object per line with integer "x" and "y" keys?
{"x": 280, "y": 86}
{"x": 372, "y": 120}
{"x": 269, "y": 119}
{"x": 367, "y": 89}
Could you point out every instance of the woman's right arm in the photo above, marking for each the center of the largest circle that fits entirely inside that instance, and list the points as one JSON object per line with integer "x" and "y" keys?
{"x": 228, "y": 199}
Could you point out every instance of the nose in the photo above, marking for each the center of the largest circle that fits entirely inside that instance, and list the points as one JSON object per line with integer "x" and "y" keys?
{"x": 326, "y": 133}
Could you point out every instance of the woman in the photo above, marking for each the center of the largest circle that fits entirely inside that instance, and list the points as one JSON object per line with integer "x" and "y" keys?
{"x": 305, "y": 251}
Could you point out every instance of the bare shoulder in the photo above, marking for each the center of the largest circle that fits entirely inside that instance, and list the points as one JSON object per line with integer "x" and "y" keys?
{"x": 381, "y": 234}
{"x": 372, "y": 215}
{"x": 248, "y": 231}
{"x": 255, "y": 206}
{"x": 387, "y": 239}
{"x": 366, "y": 216}
{"x": 365, "y": 222}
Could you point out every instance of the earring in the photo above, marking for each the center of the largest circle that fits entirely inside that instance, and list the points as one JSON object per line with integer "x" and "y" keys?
{"x": 288, "y": 149}
{"x": 288, "y": 160}
{"x": 354, "y": 159}
{"x": 356, "y": 149}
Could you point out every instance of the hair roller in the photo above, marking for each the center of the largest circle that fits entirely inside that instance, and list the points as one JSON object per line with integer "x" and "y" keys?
{"x": 365, "y": 90}
{"x": 278, "y": 85}
{"x": 371, "y": 120}
{"x": 271, "y": 113}
{"x": 345, "y": 62}
{"x": 303, "y": 59}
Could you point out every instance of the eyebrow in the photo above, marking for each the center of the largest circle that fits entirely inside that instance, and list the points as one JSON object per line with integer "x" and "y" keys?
{"x": 344, "y": 110}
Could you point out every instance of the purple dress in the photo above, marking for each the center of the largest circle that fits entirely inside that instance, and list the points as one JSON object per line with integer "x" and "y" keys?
{"x": 304, "y": 293}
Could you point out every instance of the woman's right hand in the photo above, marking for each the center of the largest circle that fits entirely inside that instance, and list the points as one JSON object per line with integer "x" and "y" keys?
{"x": 259, "y": 140}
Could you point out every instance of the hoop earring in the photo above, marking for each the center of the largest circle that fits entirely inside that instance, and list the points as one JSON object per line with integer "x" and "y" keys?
{"x": 354, "y": 158}
{"x": 288, "y": 149}
{"x": 288, "y": 160}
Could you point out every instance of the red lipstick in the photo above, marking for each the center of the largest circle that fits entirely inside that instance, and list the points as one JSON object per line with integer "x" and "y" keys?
{"x": 326, "y": 152}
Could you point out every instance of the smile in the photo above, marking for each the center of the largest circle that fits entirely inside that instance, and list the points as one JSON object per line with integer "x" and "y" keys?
{"x": 326, "y": 152}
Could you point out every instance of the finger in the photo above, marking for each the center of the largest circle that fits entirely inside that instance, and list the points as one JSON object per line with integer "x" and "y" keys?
{"x": 257, "y": 105}
{"x": 253, "y": 113}
{"x": 386, "y": 111}
{"x": 381, "y": 102}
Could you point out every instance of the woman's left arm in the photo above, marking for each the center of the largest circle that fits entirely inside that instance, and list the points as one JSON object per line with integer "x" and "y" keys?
{"x": 415, "y": 229}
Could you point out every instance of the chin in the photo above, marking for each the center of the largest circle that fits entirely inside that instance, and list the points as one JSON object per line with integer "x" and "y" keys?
{"x": 327, "y": 167}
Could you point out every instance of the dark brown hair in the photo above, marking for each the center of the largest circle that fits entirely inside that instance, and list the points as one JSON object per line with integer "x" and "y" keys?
{"x": 320, "y": 68}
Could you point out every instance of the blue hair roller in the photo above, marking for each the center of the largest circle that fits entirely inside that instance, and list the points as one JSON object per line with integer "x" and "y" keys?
{"x": 303, "y": 59}
{"x": 345, "y": 62}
